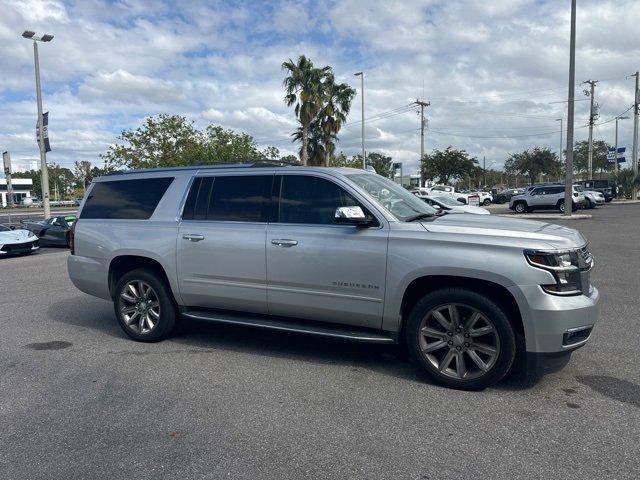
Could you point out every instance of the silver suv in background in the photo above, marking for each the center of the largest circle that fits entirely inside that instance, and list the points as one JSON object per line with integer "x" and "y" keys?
{"x": 544, "y": 197}
{"x": 338, "y": 253}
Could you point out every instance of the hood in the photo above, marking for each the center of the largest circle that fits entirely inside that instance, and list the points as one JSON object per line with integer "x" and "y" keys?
{"x": 528, "y": 233}
{"x": 470, "y": 209}
{"x": 13, "y": 236}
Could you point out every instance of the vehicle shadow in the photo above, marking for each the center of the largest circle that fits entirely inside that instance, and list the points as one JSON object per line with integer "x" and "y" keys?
{"x": 196, "y": 337}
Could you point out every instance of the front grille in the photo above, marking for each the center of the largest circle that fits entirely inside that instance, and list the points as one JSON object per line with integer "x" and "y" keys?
{"x": 19, "y": 247}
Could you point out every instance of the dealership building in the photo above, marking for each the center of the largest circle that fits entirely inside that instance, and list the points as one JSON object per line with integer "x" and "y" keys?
{"x": 22, "y": 188}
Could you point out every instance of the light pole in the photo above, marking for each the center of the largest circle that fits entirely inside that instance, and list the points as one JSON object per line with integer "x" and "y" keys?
{"x": 615, "y": 159}
{"x": 568, "y": 179}
{"x": 29, "y": 35}
{"x": 361, "y": 75}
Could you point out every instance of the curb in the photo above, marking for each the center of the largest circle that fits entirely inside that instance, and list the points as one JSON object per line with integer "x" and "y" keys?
{"x": 533, "y": 216}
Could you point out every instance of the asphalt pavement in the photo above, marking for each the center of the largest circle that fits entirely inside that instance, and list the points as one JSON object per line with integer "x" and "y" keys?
{"x": 80, "y": 400}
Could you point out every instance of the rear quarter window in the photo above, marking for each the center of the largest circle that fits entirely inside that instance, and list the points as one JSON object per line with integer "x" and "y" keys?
{"x": 134, "y": 199}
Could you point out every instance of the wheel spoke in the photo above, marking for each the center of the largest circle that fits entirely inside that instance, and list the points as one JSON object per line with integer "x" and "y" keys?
{"x": 441, "y": 320}
{"x": 461, "y": 367}
{"x": 142, "y": 290}
{"x": 128, "y": 310}
{"x": 141, "y": 322}
{"x": 154, "y": 314}
{"x": 132, "y": 318}
{"x": 478, "y": 332}
{"x": 477, "y": 360}
{"x": 481, "y": 347}
{"x": 150, "y": 324}
{"x": 128, "y": 297}
{"x": 446, "y": 360}
{"x": 432, "y": 347}
{"x": 432, "y": 332}
{"x": 471, "y": 321}
{"x": 454, "y": 315}
{"x": 133, "y": 290}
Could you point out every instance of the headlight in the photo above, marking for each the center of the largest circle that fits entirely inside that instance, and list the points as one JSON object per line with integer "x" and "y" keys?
{"x": 565, "y": 268}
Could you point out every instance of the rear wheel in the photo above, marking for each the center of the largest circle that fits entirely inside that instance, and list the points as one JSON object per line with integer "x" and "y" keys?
{"x": 520, "y": 207}
{"x": 486, "y": 202}
{"x": 144, "y": 306}
{"x": 461, "y": 338}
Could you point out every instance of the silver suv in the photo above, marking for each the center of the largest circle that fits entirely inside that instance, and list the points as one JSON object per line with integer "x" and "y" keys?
{"x": 339, "y": 253}
{"x": 545, "y": 197}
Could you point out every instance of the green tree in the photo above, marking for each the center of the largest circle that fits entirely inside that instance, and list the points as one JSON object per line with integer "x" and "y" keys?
{"x": 163, "y": 141}
{"x": 304, "y": 89}
{"x": 581, "y": 157}
{"x": 220, "y": 145}
{"x": 626, "y": 182}
{"x": 82, "y": 174}
{"x": 336, "y": 105}
{"x": 290, "y": 160}
{"x": 172, "y": 140}
{"x": 447, "y": 165}
{"x": 533, "y": 163}
{"x": 315, "y": 146}
{"x": 34, "y": 175}
{"x": 61, "y": 181}
{"x": 342, "y": 160}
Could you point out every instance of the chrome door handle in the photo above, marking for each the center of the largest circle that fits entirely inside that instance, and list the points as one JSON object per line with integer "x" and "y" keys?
{"x": 193, "y": 237}
{"x": 284, "y": 242}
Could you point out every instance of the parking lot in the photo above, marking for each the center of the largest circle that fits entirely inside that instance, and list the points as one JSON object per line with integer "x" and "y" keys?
{"x": 79, "y": 400}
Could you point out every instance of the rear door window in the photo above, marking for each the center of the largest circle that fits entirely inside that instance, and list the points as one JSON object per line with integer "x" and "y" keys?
{"x": 134, "y": 199}
{"x": 245, "y": 198}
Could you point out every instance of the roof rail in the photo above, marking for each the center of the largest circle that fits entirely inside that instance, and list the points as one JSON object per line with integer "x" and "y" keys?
{"x": 253, "y": 164}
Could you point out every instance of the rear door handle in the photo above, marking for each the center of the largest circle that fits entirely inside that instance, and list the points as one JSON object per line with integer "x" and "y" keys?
{"x": 193, "y": 237}
{"x": 284, "y": 242}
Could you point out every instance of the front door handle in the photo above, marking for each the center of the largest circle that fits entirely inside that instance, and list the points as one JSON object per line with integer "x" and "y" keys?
{"x": 193, "y": 237}
{"x": 284, "y": 242}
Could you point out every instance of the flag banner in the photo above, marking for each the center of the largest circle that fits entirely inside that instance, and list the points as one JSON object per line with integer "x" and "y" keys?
{"x": 611, "y": 155}
{"x": 45, "y": 129}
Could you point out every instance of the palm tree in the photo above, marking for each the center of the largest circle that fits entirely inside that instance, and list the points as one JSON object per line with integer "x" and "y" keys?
{"x": 337, "y": 103}
{"x": 304, "y": 88}
{"x": 315, "y": 146}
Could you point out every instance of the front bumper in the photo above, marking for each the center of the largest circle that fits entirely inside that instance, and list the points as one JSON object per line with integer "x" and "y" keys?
{"x": 555, "y": 323}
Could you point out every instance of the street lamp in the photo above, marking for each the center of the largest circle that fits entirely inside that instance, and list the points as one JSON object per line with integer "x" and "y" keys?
{"x": 615, "y": 158}
{"x": 29, "y": 35}
{"x": 361, "y": 75}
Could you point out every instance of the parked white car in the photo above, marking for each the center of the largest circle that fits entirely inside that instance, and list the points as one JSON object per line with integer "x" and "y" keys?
{"x": 485, "y": 197}
{"x": 441, "y": 190}
{"x": 592, "y": 198}
{"x": 447, "y": 204}
{"x": 17, "y": 242}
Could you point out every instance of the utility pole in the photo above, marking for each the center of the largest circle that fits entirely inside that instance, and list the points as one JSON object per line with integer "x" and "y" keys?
{"x": 422, "y": 104}
{"x": 361, "y": 75}
{"x": 560, "y": 154}
{"x": 41, "y": 141}
{"x": 484, "y": 171}
{"x": 634, "y": 159}
{"x": 592, "y": 117}
{"x": 568, "y": 179}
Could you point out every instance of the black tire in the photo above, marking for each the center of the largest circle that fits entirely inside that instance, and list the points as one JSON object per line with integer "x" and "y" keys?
{"x": 520, "y": 207}
{"x": 464, "y": 298}
{"x": 166, "y": 321}
{"x": 590, "y": 204}
{"x": 561, "y": 206}
{"x": 486, "y": 202}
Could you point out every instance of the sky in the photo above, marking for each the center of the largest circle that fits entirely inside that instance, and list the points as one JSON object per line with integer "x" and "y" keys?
{"x": 494, "y": 71}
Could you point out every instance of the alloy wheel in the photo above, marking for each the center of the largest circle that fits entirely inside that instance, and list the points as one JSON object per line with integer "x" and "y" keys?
{"x": 459, "y": 341}
{"x": 139, "y": 306}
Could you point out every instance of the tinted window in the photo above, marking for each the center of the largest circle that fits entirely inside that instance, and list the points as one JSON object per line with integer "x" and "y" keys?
{"x": 306, "y": 199}
{"x": 230, "y": 198}
{"x": 130, "y": 199}
{"x": 554, "y": 190}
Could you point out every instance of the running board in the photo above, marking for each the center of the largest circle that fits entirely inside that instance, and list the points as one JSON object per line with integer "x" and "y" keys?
{"x": 289, "y": 325}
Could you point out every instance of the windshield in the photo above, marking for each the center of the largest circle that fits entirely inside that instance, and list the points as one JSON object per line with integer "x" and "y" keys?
{"x": 4, "y": 229}
{"x": 448, "y": 201}
{"x": 392, "y": 197}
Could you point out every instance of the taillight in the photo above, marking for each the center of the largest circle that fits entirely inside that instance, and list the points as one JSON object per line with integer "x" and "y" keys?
{"x": 72, "y": 238}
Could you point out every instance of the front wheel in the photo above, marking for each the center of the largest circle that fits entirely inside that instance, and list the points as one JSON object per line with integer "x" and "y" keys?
{"x": 461, "y": 339}
{"x": 486, "y": 202}
{"x": 144, "y": 306}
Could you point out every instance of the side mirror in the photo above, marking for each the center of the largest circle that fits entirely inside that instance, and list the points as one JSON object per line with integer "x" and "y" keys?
{"x": 352, "y": 216}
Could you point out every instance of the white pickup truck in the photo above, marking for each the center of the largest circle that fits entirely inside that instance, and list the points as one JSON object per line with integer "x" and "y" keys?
{"x": 484, "y": 198}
